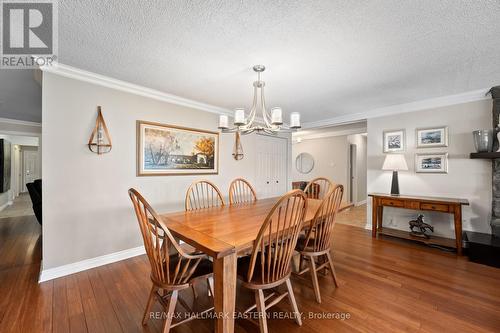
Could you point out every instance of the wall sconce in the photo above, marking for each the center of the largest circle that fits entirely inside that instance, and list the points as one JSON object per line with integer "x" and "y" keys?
{"x": 100, "y": 141}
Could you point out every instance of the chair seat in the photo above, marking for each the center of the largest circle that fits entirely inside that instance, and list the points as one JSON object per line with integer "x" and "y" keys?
{"x": 244, "y": 267}
{"x": 301, "y": 244}
{"x": 204, "y": 268}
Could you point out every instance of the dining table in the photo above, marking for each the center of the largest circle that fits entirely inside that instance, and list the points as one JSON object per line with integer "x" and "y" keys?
{"x": 222, "y": 233}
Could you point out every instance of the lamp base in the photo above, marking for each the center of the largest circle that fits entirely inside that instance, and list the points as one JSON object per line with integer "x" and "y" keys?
{"x": 395, "y": 183}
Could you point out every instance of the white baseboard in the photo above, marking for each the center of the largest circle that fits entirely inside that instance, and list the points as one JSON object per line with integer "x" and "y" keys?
{"x": 56, "y": 272}
{"x": 359, "y": 203}
{"x": 5, "y": 205}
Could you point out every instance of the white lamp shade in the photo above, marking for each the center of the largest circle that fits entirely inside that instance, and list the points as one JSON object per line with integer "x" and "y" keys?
{"x": 223, "y": 121}
{"x": 239, "y": 117}
{"x": 395, "y": 162}
{"x": 295, "y": 120}
{"x": 276, "y": 116}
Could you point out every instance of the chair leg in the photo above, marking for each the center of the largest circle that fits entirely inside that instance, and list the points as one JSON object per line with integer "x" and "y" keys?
{"x": 293, "y": 302}
{"x": 261, "y": 308}
{"x": 170, "y": 311}
{"x": 332, "y": 269}
{"x": 210, "y": 284}
{"x": 314, "y": 276}
{"x": 149, "y": 304}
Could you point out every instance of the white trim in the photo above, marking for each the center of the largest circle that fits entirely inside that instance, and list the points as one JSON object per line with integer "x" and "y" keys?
{"x": 327, "y": 134}
{"x": 20, "y": 122}
{"x": 5, "y": 205}
{"x": 466, "y": 97}
{"x": 56, "y": 272}
{"x": 359, "y": 203}
{"x": 82, "y": 75}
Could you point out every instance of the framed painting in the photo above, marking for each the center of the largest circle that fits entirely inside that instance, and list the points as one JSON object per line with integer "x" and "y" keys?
{"x": 431, "y": 163}
{"x": 394, "y": 141}
{"x": 432, "y": 137}
{"x": 173, "y": 150}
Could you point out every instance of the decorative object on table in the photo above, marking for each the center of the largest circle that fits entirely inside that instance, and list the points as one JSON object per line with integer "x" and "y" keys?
{"x": 304, "y": 163}
{"x": 394, "y": 141}
{"x": 273, "y": 122}
{"x": 395, "y": 163}
{"x": 483, "y": 140}
{"x": 431, "y": 163}
{"x": 100, "y": 140}
{"x": 421, "y": 226}
{"x": 238, "y": 148}
{"x": 432, "y": 137}
{"x": 173, "y": 150}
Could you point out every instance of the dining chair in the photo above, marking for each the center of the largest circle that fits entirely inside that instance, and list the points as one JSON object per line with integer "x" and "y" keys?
{"x": 172, "y": 269}
{"x": 316, "y": 244}
{"x": 203, "y": 194}
{"x": 318, "y": 188}
{"x": 241, "y": 191}
{"x": 269, "y": 264}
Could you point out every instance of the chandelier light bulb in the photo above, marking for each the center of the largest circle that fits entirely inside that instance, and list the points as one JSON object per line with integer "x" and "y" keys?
{"x": 276, "y": 116}
{"x": 239, "y": 117}
{"x": 295, "y": 120}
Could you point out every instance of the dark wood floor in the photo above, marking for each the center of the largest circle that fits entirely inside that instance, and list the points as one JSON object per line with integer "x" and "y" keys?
{"x": 385, "y": 286}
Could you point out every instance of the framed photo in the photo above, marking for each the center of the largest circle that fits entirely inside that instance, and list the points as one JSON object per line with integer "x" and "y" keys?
{"x": 432, "y": 137}
{"x": 394, "y": 141}
{"x": 431, "y": 163}
{"x": 173, "y": 150}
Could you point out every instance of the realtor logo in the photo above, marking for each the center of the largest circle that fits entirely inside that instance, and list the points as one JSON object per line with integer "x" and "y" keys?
{"x": 29, "y": 36}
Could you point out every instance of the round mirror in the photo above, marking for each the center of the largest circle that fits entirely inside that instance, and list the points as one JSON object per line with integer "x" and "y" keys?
{"x": 304, "y": 163}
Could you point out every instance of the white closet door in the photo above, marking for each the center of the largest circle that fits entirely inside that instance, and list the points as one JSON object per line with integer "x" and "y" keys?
{"x": 271, "y": 166}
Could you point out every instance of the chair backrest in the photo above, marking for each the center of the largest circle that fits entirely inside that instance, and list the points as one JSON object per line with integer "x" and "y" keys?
{"x": 275, "y": 243}
{"x": 241, "y": 191}
{"x": 203, "y": 194}
{"x": 318, "y": 188}
{"x": 170, "y": 265}
{"x": 319, "y": 235}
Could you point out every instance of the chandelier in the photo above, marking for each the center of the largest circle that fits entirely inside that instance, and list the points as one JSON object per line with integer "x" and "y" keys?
{"x": 272, "y": 123}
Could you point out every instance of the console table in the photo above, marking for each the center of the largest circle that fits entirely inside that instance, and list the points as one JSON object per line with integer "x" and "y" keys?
{"x": 444, "y": 205}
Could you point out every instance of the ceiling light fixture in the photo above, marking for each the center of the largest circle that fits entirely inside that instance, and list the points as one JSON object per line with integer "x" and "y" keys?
{"x": 273, "y": 122}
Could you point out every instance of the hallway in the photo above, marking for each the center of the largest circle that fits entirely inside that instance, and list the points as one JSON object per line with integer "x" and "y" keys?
{"x": 20, "y": 207}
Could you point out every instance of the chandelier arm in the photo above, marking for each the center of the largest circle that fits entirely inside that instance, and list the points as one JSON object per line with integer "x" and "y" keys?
{"x": 265, "y": 115}
{"x": 251, "y": 116}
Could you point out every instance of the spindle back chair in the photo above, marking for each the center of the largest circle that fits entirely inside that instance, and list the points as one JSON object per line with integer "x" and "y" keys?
{"x": 316, "y": 244}
{"x": 272, "y": 253}
{"x": 172, "y": 269}
{"x": 203, "y": 194}
{"x": 241, "y": 191}
{"x": 318, "y": 188}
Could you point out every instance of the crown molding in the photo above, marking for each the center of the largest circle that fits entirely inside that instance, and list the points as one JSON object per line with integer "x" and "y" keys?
{"x": 466, "y": 97}
{"x": 105, "y": 81}
{"x": 19, "y": 122}
{"x": 328, "y": 134}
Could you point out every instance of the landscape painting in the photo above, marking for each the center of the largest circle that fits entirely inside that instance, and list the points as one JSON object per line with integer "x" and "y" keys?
{"x": 394, "y": 141}
{"x": 432, "y": 137}
{"x": 431, "y": 163}
{"x": 172, "y": 150}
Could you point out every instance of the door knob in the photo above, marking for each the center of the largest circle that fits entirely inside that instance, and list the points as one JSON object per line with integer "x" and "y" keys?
{"x": 277, "y": 182}
{"x": 267, "y": 182}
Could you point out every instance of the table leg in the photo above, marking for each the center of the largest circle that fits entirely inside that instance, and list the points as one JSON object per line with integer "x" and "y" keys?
{"x": 380, "y": 218}
{"x": 374, "y": 217}
{"x": 458, "y": 228}
{"x": 225, "y": 292}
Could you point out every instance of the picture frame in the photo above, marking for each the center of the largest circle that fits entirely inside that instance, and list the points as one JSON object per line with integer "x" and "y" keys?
{"x": 394, "y": 141}
{"x": 431, "y": 163}
{"x": 431, "y": 137}
{"x": 174, "y": 150}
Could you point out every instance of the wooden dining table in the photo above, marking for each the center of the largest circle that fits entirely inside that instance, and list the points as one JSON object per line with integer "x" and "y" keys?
{"x": 222, "y": 233}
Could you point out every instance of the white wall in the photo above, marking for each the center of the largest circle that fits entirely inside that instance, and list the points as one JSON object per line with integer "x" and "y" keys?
{"x": 86, "y": 208}
{"x": 330, "y": 158}
{"x": 360, "y": 141}
{"x": 466, "y": 178}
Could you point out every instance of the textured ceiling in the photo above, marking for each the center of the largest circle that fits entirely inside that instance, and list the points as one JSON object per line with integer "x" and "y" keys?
{"x": 20, "y": 95}
{"x": 324, "y": 58}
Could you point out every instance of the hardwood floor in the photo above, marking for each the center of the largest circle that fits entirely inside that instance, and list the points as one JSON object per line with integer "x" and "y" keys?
{"x": 385, "y": 286}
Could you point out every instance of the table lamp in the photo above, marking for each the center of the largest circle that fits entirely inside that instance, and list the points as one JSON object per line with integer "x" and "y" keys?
{"x": 395, "y": 163}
